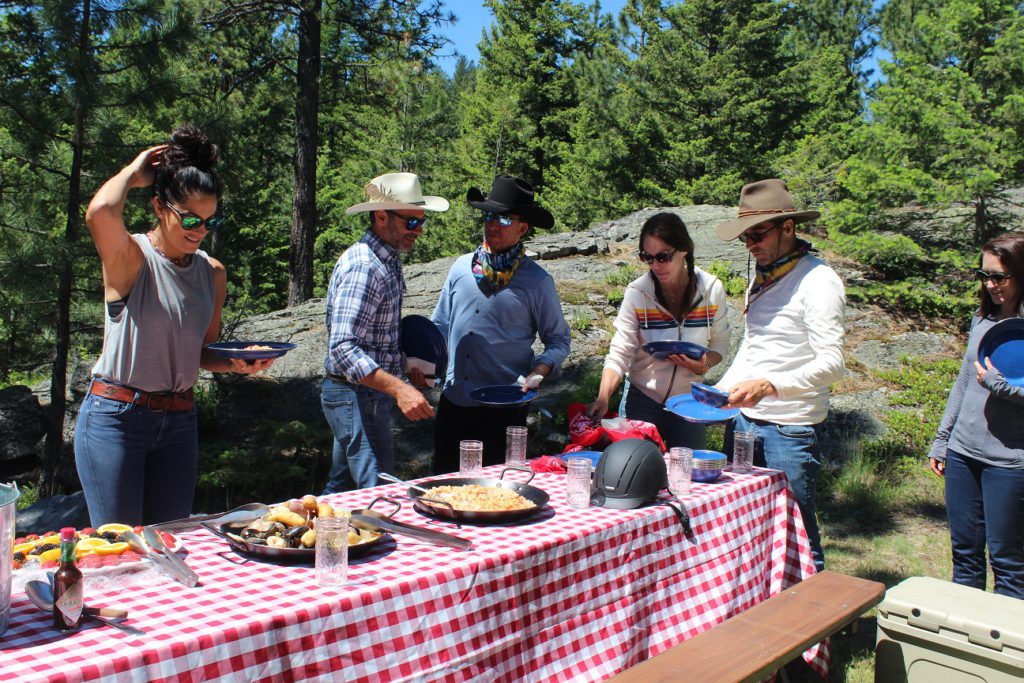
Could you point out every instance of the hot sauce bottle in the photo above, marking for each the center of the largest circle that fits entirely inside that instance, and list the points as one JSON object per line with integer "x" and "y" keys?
{"x": 68, "y": 587}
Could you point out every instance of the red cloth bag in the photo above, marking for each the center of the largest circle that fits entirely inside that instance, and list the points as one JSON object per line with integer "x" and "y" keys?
{"x": 588, "y": 434}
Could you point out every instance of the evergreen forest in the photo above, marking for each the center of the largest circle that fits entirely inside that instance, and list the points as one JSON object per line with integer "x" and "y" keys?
{"x": 881, "y": 114}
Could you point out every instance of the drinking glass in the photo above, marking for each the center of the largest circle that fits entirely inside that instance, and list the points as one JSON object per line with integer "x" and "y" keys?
{"x": 680, "y": 469}
{"x": 577, "y": 481}
{"x": 331, "y": 551}
{"x": 515, "y": 445}
{"x": 471, "y": 458}
{"x": 743, "y": 451}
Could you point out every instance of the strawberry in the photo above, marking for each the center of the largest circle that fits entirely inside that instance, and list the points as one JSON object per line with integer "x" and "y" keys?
{"x": 137, "y": 529}
{"x": 31, "y": 537}
{"x": 19, "y": 541}
{"x": 49, "y": 533}
{"x": 50, "y": 565}
{"x": 130, "y": 556}
{"x": 87, "y": 531}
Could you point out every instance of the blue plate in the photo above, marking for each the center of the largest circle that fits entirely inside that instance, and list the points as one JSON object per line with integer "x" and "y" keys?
{"x": 502, "y": 395}
{"x": 663, "y": 349}
{"x": 1003, "y": 345}
{"x": 239, "y": 349}
{"x": 421, "y": 339}
{"x": 593, "y": 455}
{"x": 687, "y": 408}
{"x": 708, "y": 395}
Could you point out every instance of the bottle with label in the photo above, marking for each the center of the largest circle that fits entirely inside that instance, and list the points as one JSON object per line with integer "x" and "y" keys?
{"x": 68, "y": 586}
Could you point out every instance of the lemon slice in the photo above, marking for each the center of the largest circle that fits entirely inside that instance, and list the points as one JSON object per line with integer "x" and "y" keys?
{"x": 52, "y": 554}
{"x": 115, "y": 527}
{"x": 110, "y": 549}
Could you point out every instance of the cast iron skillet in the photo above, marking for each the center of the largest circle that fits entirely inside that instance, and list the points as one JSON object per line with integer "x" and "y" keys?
{"x": 443, "y": 510}
{"x": 230, "y": 533}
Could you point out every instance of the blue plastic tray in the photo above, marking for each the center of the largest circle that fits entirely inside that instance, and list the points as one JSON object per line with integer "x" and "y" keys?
{"x": 690, "y": 410}
{"x": 237, "y": 349}
{"x": 593, "y": 455}
{"x": 663, "y": 349}
{"x": 1003, "y": 345}
{"x": 502, "y": 395}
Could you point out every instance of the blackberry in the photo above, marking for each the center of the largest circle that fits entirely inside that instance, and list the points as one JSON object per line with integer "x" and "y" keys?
{"x": 109, "y": 536}
{"x": 43, "y": 547}
{"x": 19, "y": 557}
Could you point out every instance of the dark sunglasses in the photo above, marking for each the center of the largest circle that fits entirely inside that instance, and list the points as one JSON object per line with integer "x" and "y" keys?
{"x": 192, "y": 222}
{"x": 663, "y": 257}
{"x": 985, "y": 276}
{"x": 756, "y": 237}
{"x": 410, "y": 223}
{"x": 501, "y": 219}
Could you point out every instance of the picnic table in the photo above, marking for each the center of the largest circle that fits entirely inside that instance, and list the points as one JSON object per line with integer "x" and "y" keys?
{"x": 566, "y": 595}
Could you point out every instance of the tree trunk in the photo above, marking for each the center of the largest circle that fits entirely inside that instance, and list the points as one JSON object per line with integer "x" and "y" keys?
{"x": 300, "y": 283}
{"x": 66, "y": 274}
{"x": 980, "y": 221}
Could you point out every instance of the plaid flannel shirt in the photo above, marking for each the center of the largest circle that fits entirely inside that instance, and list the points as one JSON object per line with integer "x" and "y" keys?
{"x": 364, "y": 309}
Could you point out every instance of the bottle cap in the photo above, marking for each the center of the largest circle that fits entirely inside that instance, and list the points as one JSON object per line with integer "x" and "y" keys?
{"x": 67, "y": 533}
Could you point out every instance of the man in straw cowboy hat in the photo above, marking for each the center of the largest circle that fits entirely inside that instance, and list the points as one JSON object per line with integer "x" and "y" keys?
{"x": 793, "y": 347}
{"x": 495, "y": 302}
{"x": 364, "y": 305}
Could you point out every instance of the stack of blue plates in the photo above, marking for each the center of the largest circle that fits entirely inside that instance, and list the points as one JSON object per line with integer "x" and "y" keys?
{"x": 707, "y": 465}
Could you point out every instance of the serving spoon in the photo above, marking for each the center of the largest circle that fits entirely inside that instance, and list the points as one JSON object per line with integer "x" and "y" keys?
{"x": 390, "y": 477}
{"x": 42, "y": 597}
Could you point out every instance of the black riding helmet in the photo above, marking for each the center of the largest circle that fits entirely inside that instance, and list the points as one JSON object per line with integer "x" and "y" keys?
{"x": 629, "y": 474}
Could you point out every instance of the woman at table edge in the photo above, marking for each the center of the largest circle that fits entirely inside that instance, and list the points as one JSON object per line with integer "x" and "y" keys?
{"x": 673, "y": 301}
{"x": 136, "y": 440}
{"x": 979, "y": 447}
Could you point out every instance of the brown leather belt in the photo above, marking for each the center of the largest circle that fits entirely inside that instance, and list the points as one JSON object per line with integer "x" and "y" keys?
{"x": 154, "y": 401}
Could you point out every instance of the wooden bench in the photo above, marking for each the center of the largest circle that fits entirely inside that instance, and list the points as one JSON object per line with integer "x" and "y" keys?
{"x": 759, "y": 641}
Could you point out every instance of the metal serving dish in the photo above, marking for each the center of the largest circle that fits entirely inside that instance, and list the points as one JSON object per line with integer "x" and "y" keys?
{"x": 230, "y": 533}
{"x": 444, "y": 510}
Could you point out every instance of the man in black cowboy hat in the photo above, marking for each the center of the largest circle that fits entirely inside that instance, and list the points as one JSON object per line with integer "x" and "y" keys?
{"x": 495, "y": 302}
{"x": 793, "y": 347}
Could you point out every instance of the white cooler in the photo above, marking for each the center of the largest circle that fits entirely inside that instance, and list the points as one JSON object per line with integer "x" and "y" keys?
{"x": 933, "y": 631}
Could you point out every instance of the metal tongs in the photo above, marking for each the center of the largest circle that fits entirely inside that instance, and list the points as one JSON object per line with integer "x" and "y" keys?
{"x": 375, "y": 521}
{"x": 176, "y": 567}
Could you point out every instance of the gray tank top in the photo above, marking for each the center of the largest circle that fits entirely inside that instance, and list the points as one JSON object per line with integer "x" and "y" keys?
{"x": 153, "y": 343}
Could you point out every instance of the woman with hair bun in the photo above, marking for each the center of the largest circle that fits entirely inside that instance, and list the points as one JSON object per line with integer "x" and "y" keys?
{"x": 979, "y": 447}
{"x": 136, "y": 440}
{"x": 673, "y": 301}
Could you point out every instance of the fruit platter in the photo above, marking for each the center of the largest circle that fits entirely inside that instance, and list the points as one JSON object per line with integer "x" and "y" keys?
{"x": 96, "y": 549}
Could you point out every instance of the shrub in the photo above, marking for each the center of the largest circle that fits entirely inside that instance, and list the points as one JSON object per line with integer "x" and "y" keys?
{"x": 891, "y": 255}
{"x": 615, "y": 296}
{"x": 735, "y": 285}
{"x": 626, "y": 273}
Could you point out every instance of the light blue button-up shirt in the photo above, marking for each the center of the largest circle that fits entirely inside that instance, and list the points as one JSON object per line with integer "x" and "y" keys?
{"x": 490, "y": 336}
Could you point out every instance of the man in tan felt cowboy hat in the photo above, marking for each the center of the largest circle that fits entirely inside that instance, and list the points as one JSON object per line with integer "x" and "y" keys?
{"x": 364, "y": 304}
{"x": 495, "y": 302}
{"x": 793, "y": 347}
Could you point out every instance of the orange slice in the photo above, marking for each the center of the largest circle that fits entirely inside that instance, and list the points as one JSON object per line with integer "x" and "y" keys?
{"x": 87, "y": 546}
{"x": 110, "y": 549}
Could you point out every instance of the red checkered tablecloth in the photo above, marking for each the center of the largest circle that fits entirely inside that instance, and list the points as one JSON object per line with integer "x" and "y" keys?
{"x": 567, "y": 595}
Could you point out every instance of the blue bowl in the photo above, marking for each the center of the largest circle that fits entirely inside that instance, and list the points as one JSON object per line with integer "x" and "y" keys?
{"x": 705, "y": 475}
{"x": 707, "y": 465}
{"x": 663, "y": 349}
{"x": 708, "y": 395}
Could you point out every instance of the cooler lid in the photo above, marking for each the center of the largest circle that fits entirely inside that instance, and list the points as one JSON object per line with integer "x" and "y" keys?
{"x": 994, "y": 621}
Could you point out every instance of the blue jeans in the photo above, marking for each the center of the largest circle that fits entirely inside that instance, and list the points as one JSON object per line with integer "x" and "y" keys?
{"x": 794, "y": 450}
{"x": 674, "y": 430}
{"x": 137, "y": 466}
{"x": 360, "y": 419}
{"x": 985, "y": 505}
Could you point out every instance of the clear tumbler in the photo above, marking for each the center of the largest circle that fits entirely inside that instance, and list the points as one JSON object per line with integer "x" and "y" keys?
{"x": 577, "y": 481}
{"x": 515, "y": 445}
{"x": 680, "y": 469}
{"x": 743, "y": 451}
{"x": 471, "y": 458}
{"x": 331, "y": 551}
